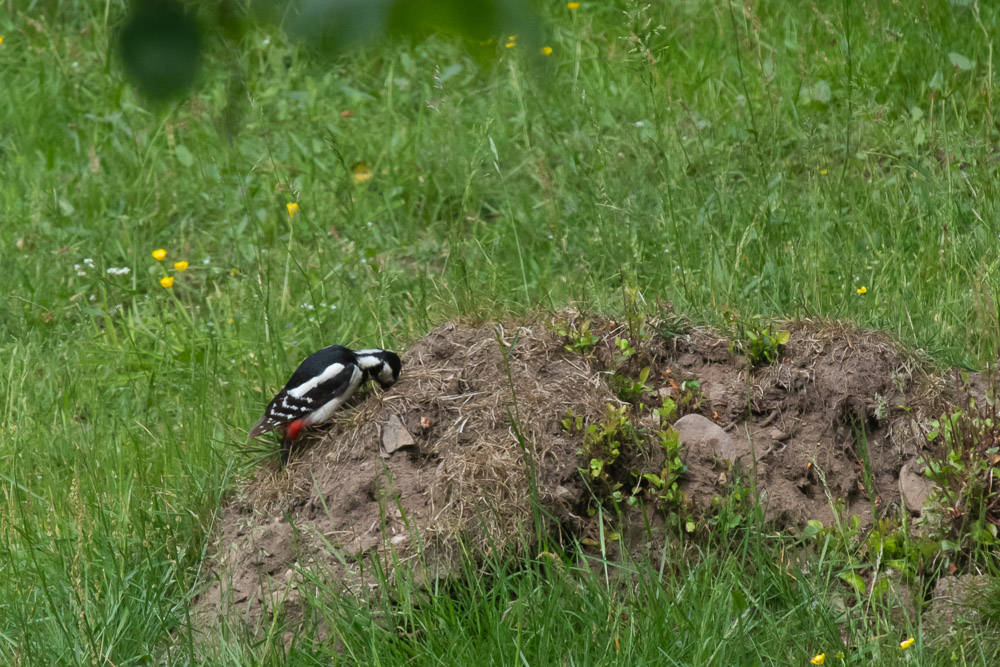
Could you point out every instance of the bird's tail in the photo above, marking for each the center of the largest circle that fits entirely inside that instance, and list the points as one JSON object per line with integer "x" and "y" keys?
{"x": 259, "y": 429}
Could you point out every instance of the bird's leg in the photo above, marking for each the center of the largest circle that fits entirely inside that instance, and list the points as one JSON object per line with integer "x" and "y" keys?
{"x": 289, "y": 436}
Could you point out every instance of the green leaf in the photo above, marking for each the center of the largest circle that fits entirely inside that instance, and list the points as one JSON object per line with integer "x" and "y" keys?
{"x": 183, "y": 155}
{"x": 66, "y": 208}
{"x": 782, "y": 337}
{"x": 813, "y": 527}
{"x": 960, "y": 61}
{"x": 820, "y": 92}
{"x": 450, "y": 71}
{"x": 669, "y": 409}
{"x": 854, "y": 580}
{"x": 739, "y": 600}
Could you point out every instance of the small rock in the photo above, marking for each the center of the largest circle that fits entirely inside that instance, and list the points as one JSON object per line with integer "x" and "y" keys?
{"x": 715, "y": 394}
{"x": 899, "y": 597}
{"x": 914, "y": 487}
{"x": 777, "y": 435}
{"x": 398, "y": 539}
{"x": 955, "y": 598}
{"x": 395, "y": 436}
{"x": 562, "y": 493}
{"x": 705, "y": 438}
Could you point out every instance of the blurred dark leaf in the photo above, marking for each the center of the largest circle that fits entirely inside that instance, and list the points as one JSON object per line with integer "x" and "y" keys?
{"x": 335, "y": 25}
{"x": 161, "y": 48}
{"x": 161, "y": 42}
{"x": 471, "y": 19}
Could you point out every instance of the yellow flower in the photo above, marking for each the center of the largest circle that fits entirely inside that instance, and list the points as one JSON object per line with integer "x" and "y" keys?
{"x": 862, "y": 290}
{"x": 824, "y": 172}
{"x": 546, "y": 50}
{"x": 181, "y": 266}
{"x": 511, "y": 38}
{"x": 573, "y": 5}
{"x": 360, "y": 172}
{"x": 818, "y": 659}
{"x": 293, "y": 208}
{"x": 907, "y": 644}
{"x": 167, "y": 281}
{"x": 159, "y": 254}
{"x": 510, "y": 45}
{"x": 1, "y": 39}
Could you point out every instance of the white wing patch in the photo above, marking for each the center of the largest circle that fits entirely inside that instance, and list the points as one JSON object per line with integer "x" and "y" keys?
{"x": 330, "y": 371}
{"x": 367, "y": 361}
{"x": 323, "y": 412}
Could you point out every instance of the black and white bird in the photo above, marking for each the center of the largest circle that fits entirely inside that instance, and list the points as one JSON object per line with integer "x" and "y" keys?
{"x": 320, "y": 385}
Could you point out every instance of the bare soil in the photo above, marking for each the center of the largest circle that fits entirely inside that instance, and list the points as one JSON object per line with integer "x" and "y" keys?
{"x": 448, "y": 459}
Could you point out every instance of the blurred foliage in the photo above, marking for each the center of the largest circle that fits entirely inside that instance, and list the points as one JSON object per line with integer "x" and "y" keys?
{"x": 161, "y": 43}
{"x": 160, "y": 47}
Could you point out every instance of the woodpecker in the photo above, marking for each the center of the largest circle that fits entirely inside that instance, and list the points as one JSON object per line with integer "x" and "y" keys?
{"x": 320, "y": 385}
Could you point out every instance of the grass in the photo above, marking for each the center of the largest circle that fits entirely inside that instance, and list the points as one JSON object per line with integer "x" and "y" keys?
{"x": 757, "y": 161}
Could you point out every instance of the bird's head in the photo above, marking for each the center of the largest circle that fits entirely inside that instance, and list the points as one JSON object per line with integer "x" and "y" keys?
{"x": 382, "y": 366}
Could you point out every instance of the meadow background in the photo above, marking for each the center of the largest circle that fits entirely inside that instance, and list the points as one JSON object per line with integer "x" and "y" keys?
{"x": 741, "y": 161}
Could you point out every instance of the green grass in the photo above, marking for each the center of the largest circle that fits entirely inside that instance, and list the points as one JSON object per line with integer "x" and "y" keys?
{"x": 750, "y": 163}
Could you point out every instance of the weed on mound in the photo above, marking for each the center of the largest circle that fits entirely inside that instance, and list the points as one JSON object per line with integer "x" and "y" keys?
{"x": 582, "y": 437}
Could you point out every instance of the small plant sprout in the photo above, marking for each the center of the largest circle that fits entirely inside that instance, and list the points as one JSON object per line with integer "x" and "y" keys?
{"x": 760, "y": 344}
{"x": 629, "y": 389}
{"x": 625, "y": 349}
{"x": 965, "y": 504}
{"x": 578, "y": 339}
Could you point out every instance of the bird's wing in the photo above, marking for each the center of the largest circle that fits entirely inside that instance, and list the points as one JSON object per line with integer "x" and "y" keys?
{"x": 304, "y": 395}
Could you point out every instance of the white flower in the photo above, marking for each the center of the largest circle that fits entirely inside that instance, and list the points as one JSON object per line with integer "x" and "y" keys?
{"x": 115, "y": 271}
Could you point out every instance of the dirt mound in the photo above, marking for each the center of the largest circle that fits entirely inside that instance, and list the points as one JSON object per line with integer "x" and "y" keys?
{"x": 445, "y": 452}
{"x": 449, "y": 457}
{"x": 838, "y": 401}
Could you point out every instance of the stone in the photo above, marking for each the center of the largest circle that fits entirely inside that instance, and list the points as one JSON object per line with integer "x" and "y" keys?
{"x": 914, "y": 487}
{"x": 899, "y": 597}
{"x": 955, "y": 598}
{"x": 777, "y": 435}
{"x": 716, "y": 395}
{"x": 564, "y": 494}
{"x": 705, "y": 438}
{"x": 395, "y": 436}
